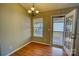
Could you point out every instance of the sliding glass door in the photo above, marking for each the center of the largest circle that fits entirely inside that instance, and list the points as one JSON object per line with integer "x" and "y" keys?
{"x": 58, "y": 31}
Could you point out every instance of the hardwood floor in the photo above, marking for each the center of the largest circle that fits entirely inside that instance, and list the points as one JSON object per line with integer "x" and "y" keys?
{"x": 36, "y": 49}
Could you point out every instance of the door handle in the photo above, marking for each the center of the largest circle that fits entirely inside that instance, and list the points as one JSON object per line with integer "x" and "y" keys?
{"x": 73, "y": 36}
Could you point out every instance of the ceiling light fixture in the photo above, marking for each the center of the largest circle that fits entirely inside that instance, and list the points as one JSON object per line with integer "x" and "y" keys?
{"x": 33, "y": 11}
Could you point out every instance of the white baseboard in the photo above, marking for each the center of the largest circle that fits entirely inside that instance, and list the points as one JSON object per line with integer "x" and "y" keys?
{"x": 18, "y": 49}
{"x": 40, "y": 42}
{"x": 25, "y": 45}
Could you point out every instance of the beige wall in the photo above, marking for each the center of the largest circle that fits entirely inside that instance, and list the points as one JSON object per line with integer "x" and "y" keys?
{"x": 47, "y": 23}
{"x": 15, "y": 27}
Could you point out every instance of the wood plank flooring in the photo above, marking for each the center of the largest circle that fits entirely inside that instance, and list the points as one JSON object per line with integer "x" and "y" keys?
{"x": 36, "y": 49}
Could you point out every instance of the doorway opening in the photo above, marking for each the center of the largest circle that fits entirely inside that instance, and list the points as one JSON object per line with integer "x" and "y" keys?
{"x": 58, "y": 30}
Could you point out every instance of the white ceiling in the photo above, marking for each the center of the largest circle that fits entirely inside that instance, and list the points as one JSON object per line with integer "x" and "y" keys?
{"x": 49, "y": 6}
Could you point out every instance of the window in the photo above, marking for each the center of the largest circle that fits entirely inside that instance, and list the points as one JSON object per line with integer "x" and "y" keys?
{"x": 38, "y": 27}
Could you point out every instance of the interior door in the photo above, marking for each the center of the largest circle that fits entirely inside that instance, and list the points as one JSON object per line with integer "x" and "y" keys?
{"x": 70, "y": 25}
